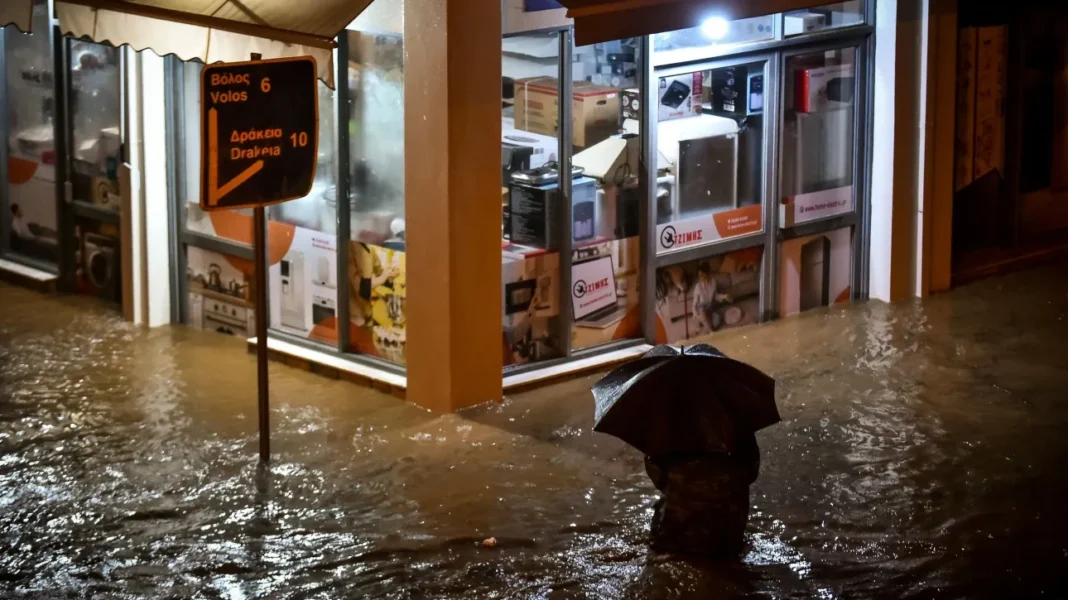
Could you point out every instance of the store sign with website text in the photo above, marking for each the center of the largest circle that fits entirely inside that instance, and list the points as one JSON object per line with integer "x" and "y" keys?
{"x": 705, "y": 229}
{"x": 593, "y": 287}
{"x": 814, "y": 206}
{"x": 259, "y": 128}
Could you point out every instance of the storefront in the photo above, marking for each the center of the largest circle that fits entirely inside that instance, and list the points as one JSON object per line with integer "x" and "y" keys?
{"x": 719, "y": 176}
{"x": 60, "y": 201}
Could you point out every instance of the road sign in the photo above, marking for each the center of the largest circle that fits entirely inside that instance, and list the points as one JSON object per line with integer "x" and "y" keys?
{"x": 259, "y": 132}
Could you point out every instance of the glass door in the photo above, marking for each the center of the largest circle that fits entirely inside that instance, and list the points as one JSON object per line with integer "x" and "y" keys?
{"x": 29, "y": 220}
{"x": 94, "y": 96}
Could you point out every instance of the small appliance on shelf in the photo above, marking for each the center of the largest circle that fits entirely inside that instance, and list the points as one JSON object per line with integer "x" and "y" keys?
{"x": 533, "y": 206}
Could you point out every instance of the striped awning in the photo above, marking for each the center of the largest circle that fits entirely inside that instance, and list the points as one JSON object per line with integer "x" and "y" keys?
{"x": 18, "y": 13}
{"x": 215, "y": 30}
{"x": 606, "y": 20}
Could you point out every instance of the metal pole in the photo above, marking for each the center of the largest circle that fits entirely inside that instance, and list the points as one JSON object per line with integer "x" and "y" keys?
{"x": 260, "y": 249}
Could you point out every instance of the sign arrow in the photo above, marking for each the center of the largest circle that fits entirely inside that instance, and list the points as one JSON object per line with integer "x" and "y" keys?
{"x": 215, "y": 193}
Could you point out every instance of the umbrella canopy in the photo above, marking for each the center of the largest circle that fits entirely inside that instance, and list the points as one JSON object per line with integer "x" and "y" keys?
{"x": 692, "y": 401}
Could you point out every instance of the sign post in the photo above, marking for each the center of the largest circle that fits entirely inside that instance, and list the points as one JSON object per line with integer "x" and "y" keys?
{"x": 260, "y": 139}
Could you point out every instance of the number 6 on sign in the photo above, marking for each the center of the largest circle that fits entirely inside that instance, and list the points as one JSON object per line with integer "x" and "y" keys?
{"x": 265, "y": 84}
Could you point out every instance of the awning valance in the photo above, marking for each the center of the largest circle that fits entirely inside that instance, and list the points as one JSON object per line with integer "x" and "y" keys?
{"x": 18, "y": 13}
{"x": 215, "y": 30}
{"x": 606, "y": 20}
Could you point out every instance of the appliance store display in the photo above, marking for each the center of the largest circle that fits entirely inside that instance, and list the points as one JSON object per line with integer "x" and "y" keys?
{"x": 534, "y": 201}
{"x": 595, "y": 109}
{"x": 708, "y": 295}
{"x": 303, "y": 292}
{"x": 816, "y": 271}
{"x": 531, "y": 280}
{"x": 822, "y": 88}
{"x": 605, "y": 295}
{"x": 219, "y": 293}
{"x": 680, "y": 96}
{"x": 100, "y": 268}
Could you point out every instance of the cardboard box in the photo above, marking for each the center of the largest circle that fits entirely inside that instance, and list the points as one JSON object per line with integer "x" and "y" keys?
{"x": 632, "y": 104}
{"x": 796, "y": 24}
{"x": 595, "y": 109}
{"x": 964, "y": 148}
{"x": 680, "y": 96}
{"x": 824, "y": 88}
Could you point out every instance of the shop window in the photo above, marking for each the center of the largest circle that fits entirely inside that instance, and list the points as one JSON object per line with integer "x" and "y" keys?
{"x": 818, "y": 147}
{"x": 819, "y": 18}
{"x": 701, "y": 297}
{"x": 711, "y": 155}
{"x": 606, "y": 201}
{"x": 816, "y": 271}
{"x": 714, "y": 37}
{"x": 29, "y": 212}
{"x": 533, "y": 327}
{"x": 96, "y": 115}
{"x": 220, "y": 293}
{"x": 303, "y": 246}
{"x": 377, "y": 284}
{"x": 232, "y": 225}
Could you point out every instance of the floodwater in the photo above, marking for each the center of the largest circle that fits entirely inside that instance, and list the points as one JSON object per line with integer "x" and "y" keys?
{"x": 922, "y": 455}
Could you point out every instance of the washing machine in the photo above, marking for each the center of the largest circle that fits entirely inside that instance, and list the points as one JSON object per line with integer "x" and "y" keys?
{"x": 102, "y": 266}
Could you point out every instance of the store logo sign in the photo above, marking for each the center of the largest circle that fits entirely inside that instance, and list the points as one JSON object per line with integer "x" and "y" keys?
{"x": 669, "y": 237}
{"x": 582, "y": 288}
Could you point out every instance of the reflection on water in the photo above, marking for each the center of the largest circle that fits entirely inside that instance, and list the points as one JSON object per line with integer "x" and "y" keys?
{"x": 921, "y": 455}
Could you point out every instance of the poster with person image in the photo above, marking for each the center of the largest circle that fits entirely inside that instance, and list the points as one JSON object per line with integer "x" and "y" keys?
{"x": 704, "y": 296}
{"x": 377, "y": 292}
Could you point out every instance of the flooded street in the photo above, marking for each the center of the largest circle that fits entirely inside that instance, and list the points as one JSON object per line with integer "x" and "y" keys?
{"x": 922, "y": 455}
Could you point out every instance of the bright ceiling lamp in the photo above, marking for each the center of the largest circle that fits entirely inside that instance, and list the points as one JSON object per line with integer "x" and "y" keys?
{"x": 715, "y": 28}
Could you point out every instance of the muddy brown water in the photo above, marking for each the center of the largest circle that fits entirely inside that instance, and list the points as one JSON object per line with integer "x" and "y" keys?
{"x": 922, "y": 455}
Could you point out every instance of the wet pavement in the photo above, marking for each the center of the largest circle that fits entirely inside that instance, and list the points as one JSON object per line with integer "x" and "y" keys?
{"x": 922, "y": 455}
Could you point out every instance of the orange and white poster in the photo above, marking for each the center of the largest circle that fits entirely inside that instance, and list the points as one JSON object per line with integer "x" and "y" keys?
{"x": 816, "y": 271}
{"x": 707, "y": 228}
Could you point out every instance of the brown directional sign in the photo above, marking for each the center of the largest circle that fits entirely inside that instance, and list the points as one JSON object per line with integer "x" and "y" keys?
{"x": 259, "y": 132}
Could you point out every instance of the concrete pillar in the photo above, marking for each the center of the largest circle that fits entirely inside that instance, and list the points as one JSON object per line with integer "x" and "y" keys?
{"x": 452, "y": 201}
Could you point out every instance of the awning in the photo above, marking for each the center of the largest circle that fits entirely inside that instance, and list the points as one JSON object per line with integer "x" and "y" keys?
{"x": 215, "y": 30}
{"x": 18, "y": 13}
{"x": 606, "y": 20}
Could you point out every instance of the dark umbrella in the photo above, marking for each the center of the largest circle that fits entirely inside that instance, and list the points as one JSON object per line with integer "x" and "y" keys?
{"x": 691, "y": 401}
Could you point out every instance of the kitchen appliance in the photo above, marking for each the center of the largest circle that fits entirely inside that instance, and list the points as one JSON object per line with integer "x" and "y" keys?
{"x": 292, "y": 304}
{"x": 816, "y": 273}
{"x": 224, "y": 317}
{"x": 676, "y": 93}
{"x": 214, "y": 277}
{"x": 324, "y": 311}
{"x": 101, "y": 266}
{"x": 700, "y": 157}
{"x": 534, "y": 208}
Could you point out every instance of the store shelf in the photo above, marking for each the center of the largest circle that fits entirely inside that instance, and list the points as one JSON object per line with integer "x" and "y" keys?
{"x": 91, "y": 211}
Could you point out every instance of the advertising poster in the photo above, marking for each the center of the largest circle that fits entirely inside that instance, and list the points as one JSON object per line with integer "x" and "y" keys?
{"x": 604, "y": 292}
{"x": 530, "y": 299}
{"x": 303, "y": 286}
{"x": 220, "y": 293}
{"x": 377, "y": 292}
{"x": 703, "y": 229}
{"x": 816, "y": 271}
{"x": 705, "y": 296}
{"x": 814, "y": 206}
